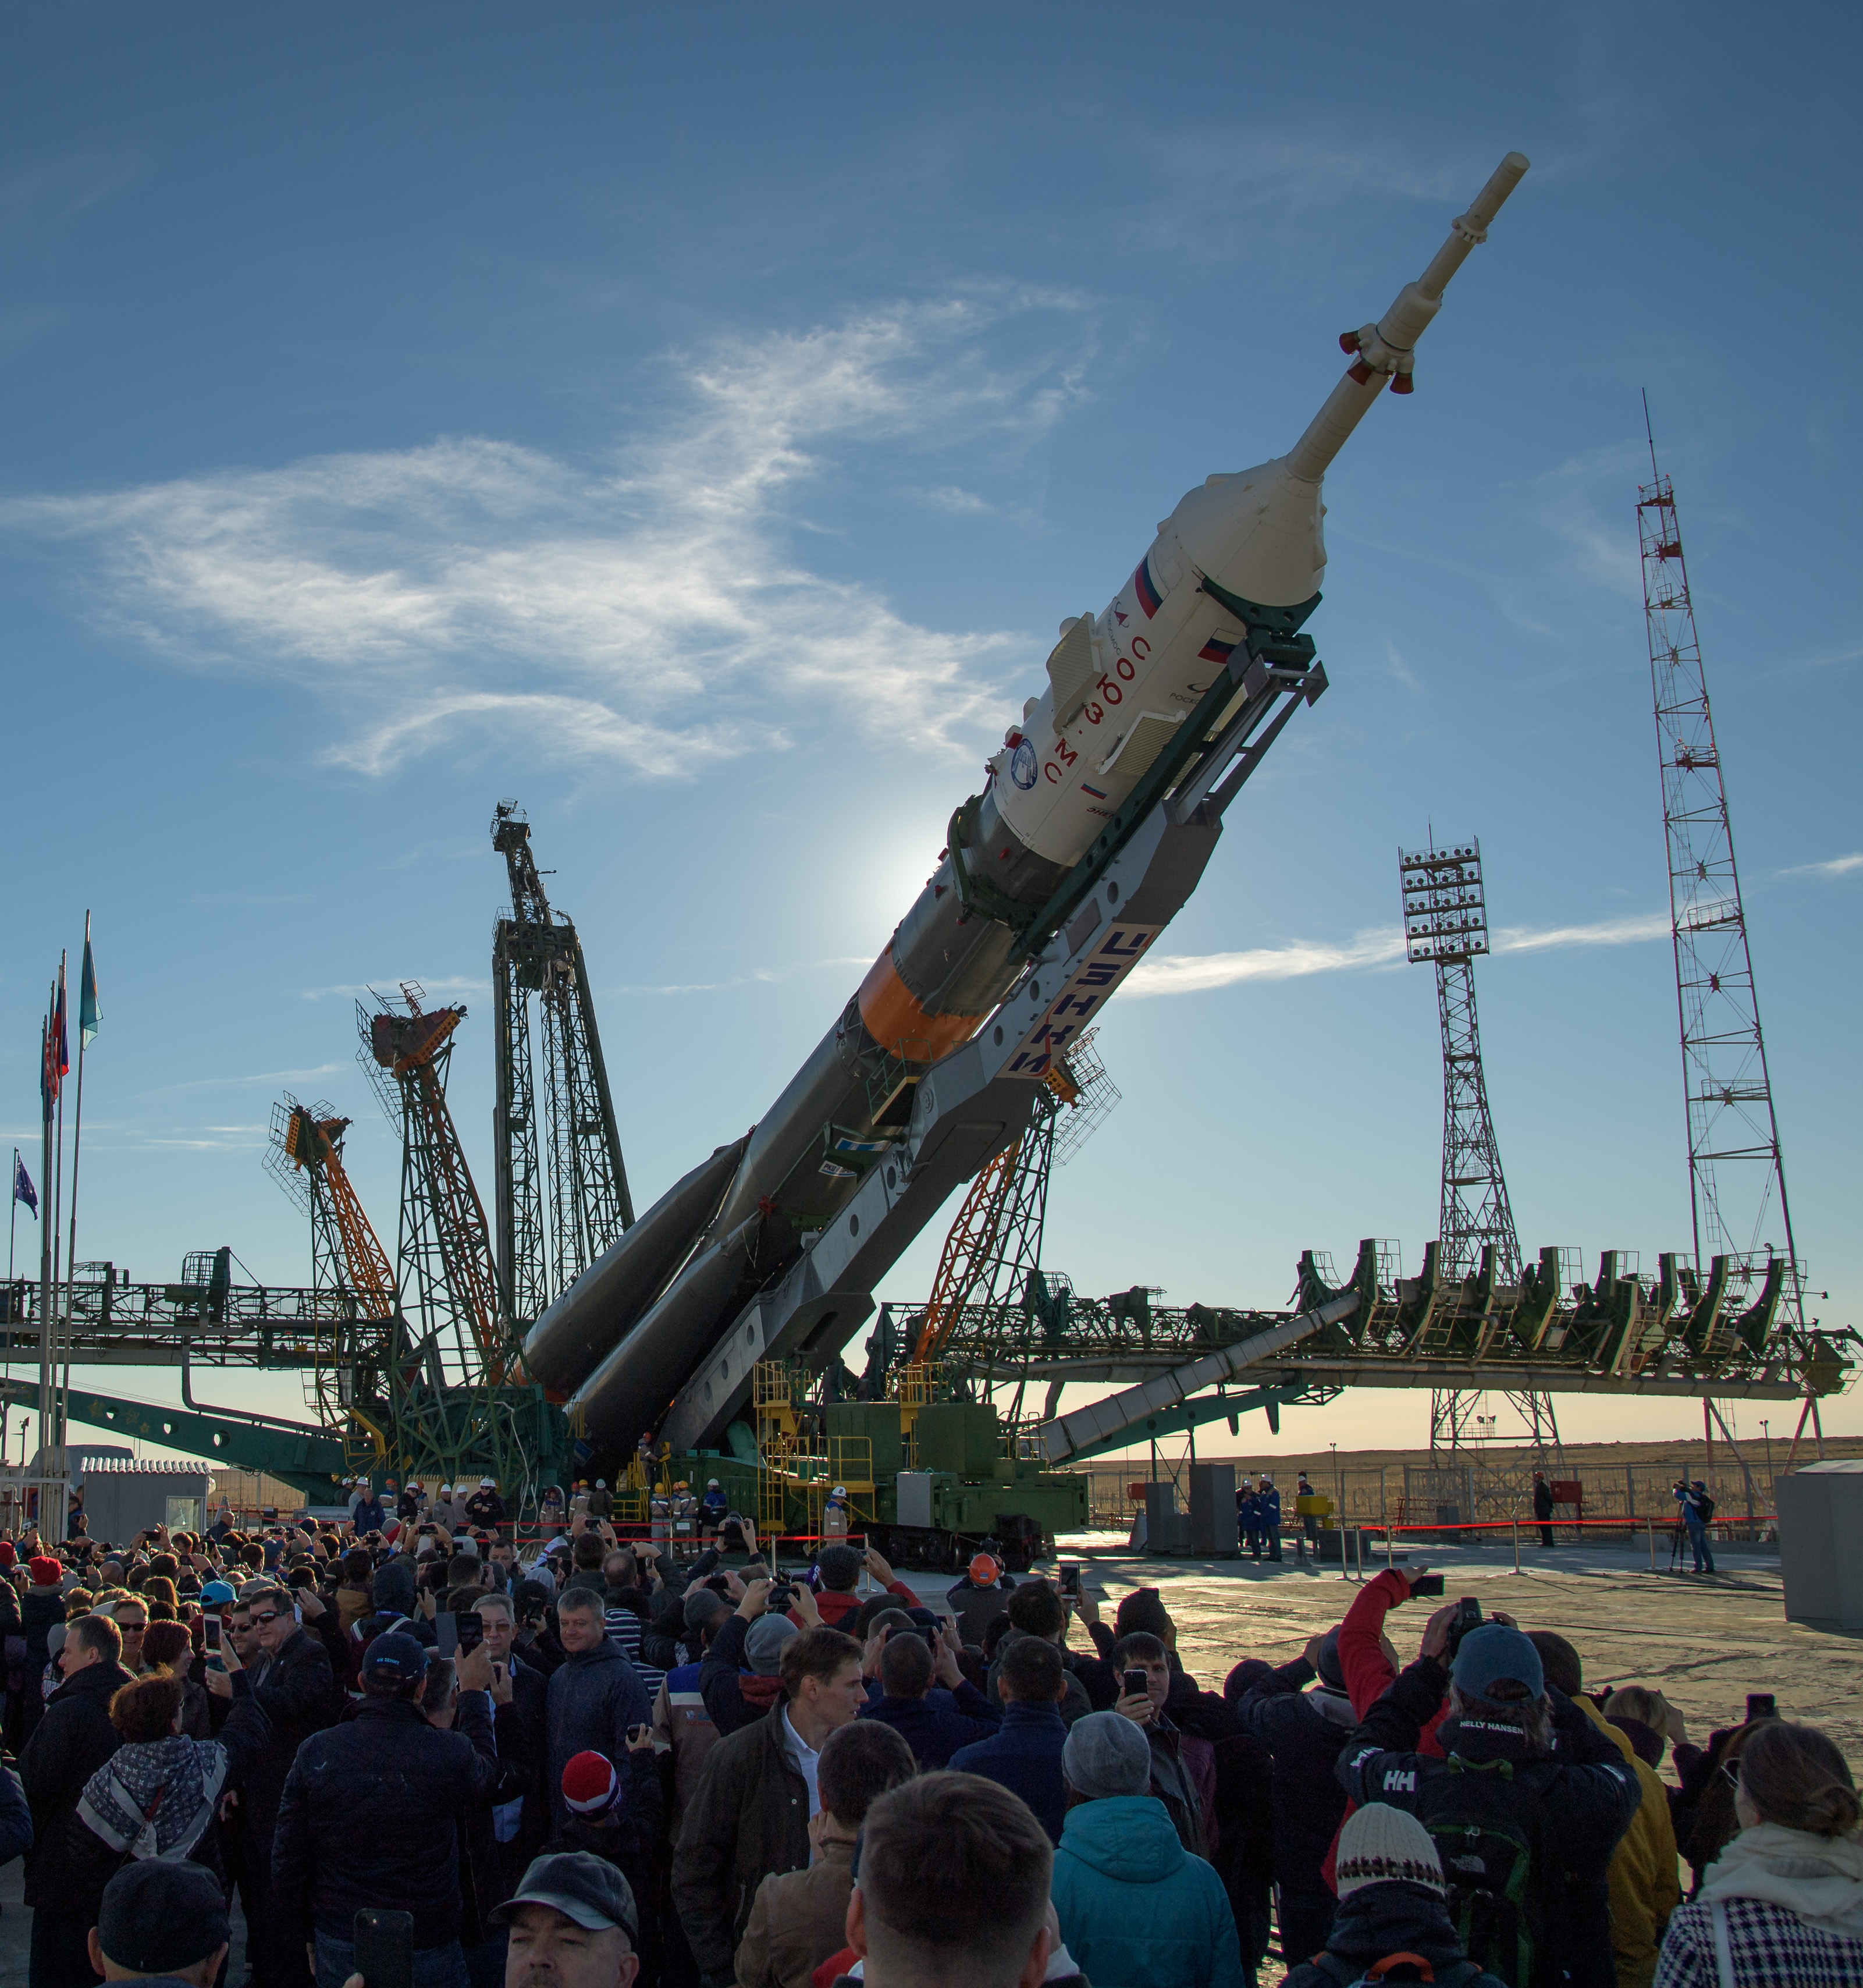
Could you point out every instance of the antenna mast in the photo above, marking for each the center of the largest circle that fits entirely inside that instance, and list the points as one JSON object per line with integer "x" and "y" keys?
{"x": 1736, "y": 1172}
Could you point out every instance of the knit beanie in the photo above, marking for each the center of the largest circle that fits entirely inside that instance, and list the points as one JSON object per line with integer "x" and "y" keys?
{"x": 591, "y": 1786}
{"x": 763, "y": 1647}
{"x": 8, "y": 1555}
{"x": 1143, "y": 1611}
{"x": 1326, "y": 1659}
{"x": 394, "y": 1586}
{"x": 45, "y": 1571}
{"x": 1381, "y": 1845}
{"x": 1106, "y": 1754}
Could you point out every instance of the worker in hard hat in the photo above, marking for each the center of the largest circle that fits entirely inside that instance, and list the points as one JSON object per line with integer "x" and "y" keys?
{"x": 712, "y": 1509}
{"x": 601, "y": 1500}
{"x": 836, "y": 1516}
{"x": 685, "y": 1521}
{"x": 485, "y": 1507}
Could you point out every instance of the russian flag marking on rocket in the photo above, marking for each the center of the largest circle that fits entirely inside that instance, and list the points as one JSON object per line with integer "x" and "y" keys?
{"x": 1097, "y": 794}
{"x": 1217, "y": 650}
{"x": 1149, "y": 598}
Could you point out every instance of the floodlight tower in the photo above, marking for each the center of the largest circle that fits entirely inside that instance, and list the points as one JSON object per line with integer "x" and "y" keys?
{"x": 1446, "y": 924}
{"x": 1736, "y": 1171}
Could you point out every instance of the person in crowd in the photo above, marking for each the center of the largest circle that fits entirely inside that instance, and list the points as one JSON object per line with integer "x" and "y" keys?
{"x": 131, "y": 1616}
{"x": 1641, "y": 1880}
{"x": 839, "y": 1567}
{"x": 613, "y": 1810}
{"x": 712, "y": 1509}
{"x": 1267, "y": 1504}
{"x": 156, "y": 1796}
{"x": 1650, "y": 1720}
{"x": 1551, "y": 1822}
{"x": 1174, "y": 1780}
{"x": 740, "y": 1676}
{"x": 953, "y": 1887}
{"x": 355, "y": 1596}
{"x": 684, "y": 1731}
{"x": 1392, "y": 1919}
{"x": 595, "y": 1700}
{"x": 536, "y": 1641}
{"x": 1036, "y": 1609}
{"x": 287, "y": 1670}
{"x": 520, "y": 1824}
{"x": 798, "y": 1918}
{"x": 550, "y": 1508}
{"x": 163, "y": 1923}
{"x": 574, "y": 1923}
{"x": 15, "y": 1817}
{"x": 1702, "y": 1808}
{"x": 74, "y": 1739}
{"x": 1305, "y": 1731}
{"x": 934, "y": 1728}
{"x": 485, "y": 1508}
{"x": 358, "y": 1819}
{"x": 751, "y": 1814}
{"x": 1024, "y": 1756}
{"x": 1543, "y": 1507}
{"x": 167, "y": 1646}
{"x": 837, "y": 1514}
{"x": 368, "y": 1515}
{"x": 981, "y": 1596}
{"x": 1248, "y": 1521}
{"x": 40, "y": 1608}
{"x": 1695, "y": 1508}
{"x": 449, "y": 1508}
{"x": 1782, "y": 1906}
{"x": 1136, "y": 1909}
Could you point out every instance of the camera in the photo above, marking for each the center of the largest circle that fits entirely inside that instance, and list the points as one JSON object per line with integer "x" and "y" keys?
{"x": 1467, "y": 1617}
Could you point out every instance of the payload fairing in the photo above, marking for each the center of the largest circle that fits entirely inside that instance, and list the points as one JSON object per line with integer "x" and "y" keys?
{"x": 1177, "y": 673}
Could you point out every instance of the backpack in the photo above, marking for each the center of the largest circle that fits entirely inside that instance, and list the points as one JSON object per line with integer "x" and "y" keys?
{"x": 1491, "y": 1837}
{"x": 1704, "y": 1508}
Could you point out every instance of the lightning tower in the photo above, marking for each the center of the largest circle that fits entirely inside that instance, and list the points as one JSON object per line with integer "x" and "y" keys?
{"x": 1446, "y": 924}
{"x": 1737, "y": 1172}
{"x": 579, "y": 1175}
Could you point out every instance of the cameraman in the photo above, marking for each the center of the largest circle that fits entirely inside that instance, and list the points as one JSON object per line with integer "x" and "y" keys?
{"x": 1695, "y": 1508}
{"x": 1560, "y": 1788}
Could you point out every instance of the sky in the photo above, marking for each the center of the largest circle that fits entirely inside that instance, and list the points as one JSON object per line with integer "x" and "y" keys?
{"x": 696, "y": 430}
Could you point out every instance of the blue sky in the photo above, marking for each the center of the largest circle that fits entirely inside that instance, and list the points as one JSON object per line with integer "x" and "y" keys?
{"x": 696, "y": 430}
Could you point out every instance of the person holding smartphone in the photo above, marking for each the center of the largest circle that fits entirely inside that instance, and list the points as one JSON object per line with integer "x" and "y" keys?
{"x": 1144, "y": 1668}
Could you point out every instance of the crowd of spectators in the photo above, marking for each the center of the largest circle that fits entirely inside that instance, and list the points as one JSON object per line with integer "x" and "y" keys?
{"x": 406, "y": 1744}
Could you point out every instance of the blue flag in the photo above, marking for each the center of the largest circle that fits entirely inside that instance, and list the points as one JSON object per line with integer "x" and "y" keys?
{"x": 23, "y": 1184}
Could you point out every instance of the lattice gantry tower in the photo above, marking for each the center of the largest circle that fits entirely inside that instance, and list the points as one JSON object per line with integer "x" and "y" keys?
{"x": 1737, "y": 1172}
{"x": 559, "y": 1206}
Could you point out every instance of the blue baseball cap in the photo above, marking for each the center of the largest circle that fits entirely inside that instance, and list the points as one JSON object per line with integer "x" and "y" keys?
{"x": 394, "y": 1654}
{"x": 1495, "y": 1655}
{"x": 216, "y": 1594}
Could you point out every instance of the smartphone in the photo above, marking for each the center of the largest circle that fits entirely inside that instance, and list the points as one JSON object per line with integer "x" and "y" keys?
{"x": 637, "y": 1733}
{"x": 446, "y": 1633}
{"x": 209, "y": 1633}
{"x": 1070, "y": 1579}
{"x": 469, "y": 1628}
{"x": 1761, "y": 1704}
{"x": 385, "y": 1948}
{"x": 1427, "y": 1584}
{"x": 1135, "y": 1684}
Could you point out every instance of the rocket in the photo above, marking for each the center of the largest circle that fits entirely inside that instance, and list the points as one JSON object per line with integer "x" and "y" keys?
{"x": 1232, "y": 573}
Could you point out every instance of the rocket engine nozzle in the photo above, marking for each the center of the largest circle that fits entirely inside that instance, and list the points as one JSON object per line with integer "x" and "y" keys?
{"x": 1384, "y": 352}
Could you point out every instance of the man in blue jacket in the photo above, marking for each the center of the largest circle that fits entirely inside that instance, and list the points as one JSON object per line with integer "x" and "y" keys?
{"x": 1024, "y": 1756}
{"x": 1267, "y": 1507}
{"x": 595, "y": 1700}
{"x": 934, "y": 1728}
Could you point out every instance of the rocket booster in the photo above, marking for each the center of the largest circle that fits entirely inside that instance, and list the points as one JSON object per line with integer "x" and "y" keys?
{"x": 1235, "y": 550}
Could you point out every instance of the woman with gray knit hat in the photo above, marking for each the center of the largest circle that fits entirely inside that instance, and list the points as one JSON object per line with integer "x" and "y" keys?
{"x": 1392, "y": 1902}
{"x": 1137, "y": 1910}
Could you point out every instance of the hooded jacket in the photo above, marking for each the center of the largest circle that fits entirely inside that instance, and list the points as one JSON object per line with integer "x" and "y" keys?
{"x": 590, "y": 1703}
{"x": 1136, "y": 1909}
{"x": 1793, "y": 1907}
{"x": 1376, "y": 1921}
{"x": 1641, "y": 1879}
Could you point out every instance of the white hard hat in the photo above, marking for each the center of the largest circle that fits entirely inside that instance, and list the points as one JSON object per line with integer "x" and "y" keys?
{"x": 444, "y": 1489}
{"x": 601, "y": 1484}
{"x": 840, "y": 1491}
{"x": 489, "y": 1483}
{"x": 711, "y": 1484}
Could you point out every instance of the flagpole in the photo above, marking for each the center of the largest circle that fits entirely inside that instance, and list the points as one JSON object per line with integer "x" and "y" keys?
{"x": 48, "y": 1066}
{"x": 77, "y": 1139}
{"x": 58, "y": 1209}
{"x": 12, "y": 1318}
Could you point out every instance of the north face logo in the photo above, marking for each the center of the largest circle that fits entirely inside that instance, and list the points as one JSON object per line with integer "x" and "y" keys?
{"x": 1400, "y": 1779}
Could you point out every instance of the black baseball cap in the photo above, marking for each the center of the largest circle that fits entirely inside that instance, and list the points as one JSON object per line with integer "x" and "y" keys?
{"x": 158, "y": 1918}
{"x": 394, "y": 1654}
{"x": 587, "y": 1889}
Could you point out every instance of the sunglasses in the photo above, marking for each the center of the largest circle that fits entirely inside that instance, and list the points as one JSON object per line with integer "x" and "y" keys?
{"x": 261, "y": 1617}
{"x": 131, "y": 1629}
{"x": 1731, "y": 1773}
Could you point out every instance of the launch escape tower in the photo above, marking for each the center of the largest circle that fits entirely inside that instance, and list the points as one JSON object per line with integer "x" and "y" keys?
{"x": 578, "y": 1175}
{"x": 1737, "y": 1172}
{"x": 1446, "y": 924}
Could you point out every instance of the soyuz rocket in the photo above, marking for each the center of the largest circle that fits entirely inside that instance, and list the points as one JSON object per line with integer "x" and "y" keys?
{"x": 1240, "y": 552}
